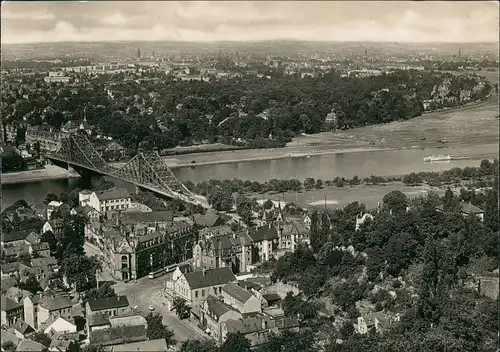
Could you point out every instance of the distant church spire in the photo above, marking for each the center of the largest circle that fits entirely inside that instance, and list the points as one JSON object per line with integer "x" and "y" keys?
{"x": 138, "y": 53}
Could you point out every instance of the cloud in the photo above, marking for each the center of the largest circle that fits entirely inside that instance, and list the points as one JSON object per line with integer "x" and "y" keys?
{"x": 7, "y": 15}
{"x": 247, "y": 20}
{"x": 115, "y": 19}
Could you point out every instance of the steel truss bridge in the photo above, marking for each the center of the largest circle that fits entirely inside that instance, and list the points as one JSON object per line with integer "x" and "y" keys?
{"x": 145, "y": 170}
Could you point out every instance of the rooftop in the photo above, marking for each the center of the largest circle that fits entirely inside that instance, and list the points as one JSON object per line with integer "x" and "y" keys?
{"x": 217, "y": 307}
{"x": 154, "y": 216}
{"x": 15, "y": 236}
{"x": 6, "y": 304}
{"x": 237, "y": 292}
{"x": 208, "y": 278}
{"x": 55, "y": 303}
{"x": 108, "y": 303}
{"x": 113, "y": 193}
{"x": 264, "y": 233}
{"x": 27, "y": 345}
{"x": 118, "y": 335}
{"x": 144, "y": 346}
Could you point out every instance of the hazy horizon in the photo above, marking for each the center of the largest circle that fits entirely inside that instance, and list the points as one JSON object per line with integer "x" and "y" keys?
{"x": 212, "y": 22}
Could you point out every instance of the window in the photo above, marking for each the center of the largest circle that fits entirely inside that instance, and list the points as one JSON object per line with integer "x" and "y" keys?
{"x": 196, "y": 294}
{"x": 202, "y": 293}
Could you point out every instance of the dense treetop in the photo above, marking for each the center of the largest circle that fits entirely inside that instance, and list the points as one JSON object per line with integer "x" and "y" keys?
{"x": 166, "y": 112}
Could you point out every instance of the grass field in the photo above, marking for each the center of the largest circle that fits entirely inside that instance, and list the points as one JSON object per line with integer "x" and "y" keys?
{"x": 336, "y": 197}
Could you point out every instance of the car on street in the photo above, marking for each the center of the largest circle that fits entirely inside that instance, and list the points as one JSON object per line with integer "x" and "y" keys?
{"x": 151, "y": 308}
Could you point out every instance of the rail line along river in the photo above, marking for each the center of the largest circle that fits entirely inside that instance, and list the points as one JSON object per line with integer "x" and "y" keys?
{"x": 325, "y": 167}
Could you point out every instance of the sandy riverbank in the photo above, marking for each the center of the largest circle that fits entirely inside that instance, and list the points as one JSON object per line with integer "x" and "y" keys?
{"x": 425, "y": 131}
{"x": 50, "y": 172}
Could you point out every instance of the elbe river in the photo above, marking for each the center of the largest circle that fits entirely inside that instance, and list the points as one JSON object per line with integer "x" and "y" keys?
{"x": 325, "y": 167}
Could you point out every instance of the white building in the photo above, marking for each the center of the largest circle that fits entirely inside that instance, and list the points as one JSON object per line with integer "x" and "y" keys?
{"x": 102, "y": 201}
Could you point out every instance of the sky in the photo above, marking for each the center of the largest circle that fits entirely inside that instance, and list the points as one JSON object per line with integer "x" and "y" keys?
{"x": 399, "y": 21}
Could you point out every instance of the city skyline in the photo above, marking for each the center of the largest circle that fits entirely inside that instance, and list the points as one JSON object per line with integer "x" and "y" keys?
{"x": 426, "y": 22}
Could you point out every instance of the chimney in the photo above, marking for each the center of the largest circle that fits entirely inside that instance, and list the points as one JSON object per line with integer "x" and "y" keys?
{"x": 118, "y": 298}
{"x": 204, "y": 272}
{"x": 270, "y": 225}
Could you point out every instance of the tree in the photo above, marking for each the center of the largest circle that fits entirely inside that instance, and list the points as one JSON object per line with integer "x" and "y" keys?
{"x": 396, "y": 201}
{"x": 315, "y": 235}
{"x": 437, "y": 280}
{"x": 235, "y": 342}
{"x": 199, "y": 346}
{"x": 309, "y": 183}
{"x": 412, "y": 179}
{"x": 104, "y": 291}
{"x": 156, "y": 329}
{"x": 74, "y": 346}
{"x": 93, "y": 348}
{"x": 450, "y": 202}
{"x": 268, "y": 204}
{"x": 42, "y": 338}
{"x": 50, "y": 238}
{"x": 80, "y": 271}
{"x": 319, "y": 184}
{"x": 51, "y": 197}
{"x": 31, "y": 284}
{"x": 181, "y": 308}
{"x": 8, "y": 346}
{"x": 290, "y": 341}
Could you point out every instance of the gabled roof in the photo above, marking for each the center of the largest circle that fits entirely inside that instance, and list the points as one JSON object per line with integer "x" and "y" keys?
{"x": 17, "y": 250}
{"x": 43, "y": 262}
{"x": 108, "y": 303}
{"x": 55, "y": 303}
{"x": 143, "y": 346}
{"x": 468, "y": 208}
{"x": 98, "y": 319}
{"x": 248, "y": 285}
{"x": 15, "y": 236}
{"x": 27, "y": 345}
{"x": 208, "y": 278}
{"x": 118, "y": 335}
{"x": 237, "y": 292}
{"x": 23, "y": 327}
{"x": 32, "y": 238}
{"x": 6, "y": 304}
{"x": 112, "y": 194}
{"x": 262, "y": 233}
{"x": 211, "y": 218}
{"x": 215, "y": 306}
{"x": 7, "y": 336}
{"x": 154, "y": 216}
{"x": 56, "y": 223}
{"x": 8, "y": 268}
{"x": 40, "y": 246}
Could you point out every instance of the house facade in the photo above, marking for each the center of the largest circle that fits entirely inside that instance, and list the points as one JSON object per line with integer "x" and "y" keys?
{"x": 196, "y": 286}
{"x": 102, "y": 201}
{"x": 240, "y": 299}
{"x": 11, "y": 311}
{"x": 213, "y": 313}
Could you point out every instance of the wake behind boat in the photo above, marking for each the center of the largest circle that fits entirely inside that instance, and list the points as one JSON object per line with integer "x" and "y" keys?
{"x": 432, "y": 158}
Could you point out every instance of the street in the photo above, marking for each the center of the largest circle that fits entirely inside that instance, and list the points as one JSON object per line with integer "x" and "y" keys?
{"x": 150, "y": 292}
{"x": 147, "y": 292}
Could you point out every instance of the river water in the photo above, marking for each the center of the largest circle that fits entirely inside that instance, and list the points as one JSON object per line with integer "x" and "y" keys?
{"x": 325, "y": 167}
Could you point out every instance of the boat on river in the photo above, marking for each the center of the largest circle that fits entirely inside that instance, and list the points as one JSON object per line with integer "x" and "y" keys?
{"x": 431, "y": 158}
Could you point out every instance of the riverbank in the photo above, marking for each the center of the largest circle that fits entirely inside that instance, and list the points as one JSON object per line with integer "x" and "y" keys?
{"x": 426, "y": 131}
{"x": 50, "y": 172}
